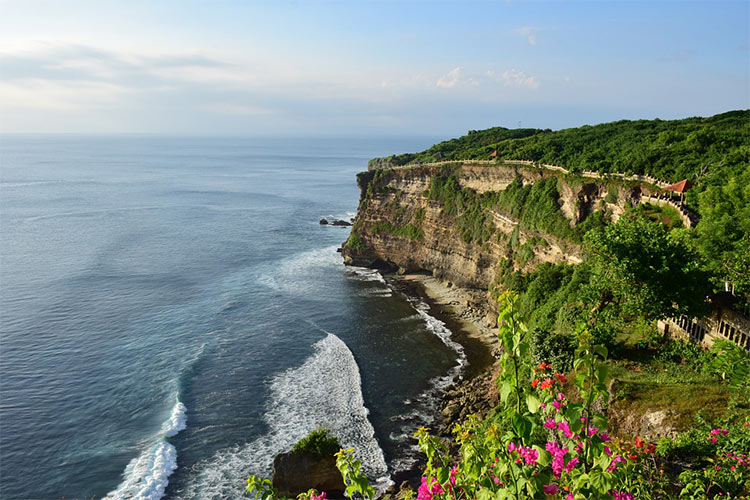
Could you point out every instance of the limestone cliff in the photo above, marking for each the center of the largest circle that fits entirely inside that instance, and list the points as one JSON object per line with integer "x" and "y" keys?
{"x": 460, "y": 221}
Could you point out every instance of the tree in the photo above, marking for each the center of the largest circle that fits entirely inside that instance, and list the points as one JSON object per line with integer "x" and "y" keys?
{"x": 724, "y": 230}
{"x": 640, "y": 268}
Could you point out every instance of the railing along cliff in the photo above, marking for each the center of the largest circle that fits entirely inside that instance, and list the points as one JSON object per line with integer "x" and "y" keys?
{"x": 584, "y": 173}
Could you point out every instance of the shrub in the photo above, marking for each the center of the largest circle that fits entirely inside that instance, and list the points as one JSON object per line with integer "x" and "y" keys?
{"x": 319, "y": 443}
{"x": 557, "y": 349}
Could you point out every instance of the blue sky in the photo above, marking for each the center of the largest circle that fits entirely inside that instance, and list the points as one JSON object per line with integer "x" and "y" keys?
{"x": 357, "y": 67}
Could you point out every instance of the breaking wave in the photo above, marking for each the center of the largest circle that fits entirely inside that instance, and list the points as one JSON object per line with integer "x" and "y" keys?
{"x": 325, "y": 391}
{"x": 147, "y": 475}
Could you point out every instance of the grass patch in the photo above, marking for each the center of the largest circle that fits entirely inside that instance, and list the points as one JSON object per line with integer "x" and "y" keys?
{"x": 669, "y": 216}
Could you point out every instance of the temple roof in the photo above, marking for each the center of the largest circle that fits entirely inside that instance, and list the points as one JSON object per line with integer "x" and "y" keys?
{"x": 679, "y": 187}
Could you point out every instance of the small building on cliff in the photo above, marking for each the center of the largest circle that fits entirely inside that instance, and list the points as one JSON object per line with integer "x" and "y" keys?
{"x": 724, "y": 323}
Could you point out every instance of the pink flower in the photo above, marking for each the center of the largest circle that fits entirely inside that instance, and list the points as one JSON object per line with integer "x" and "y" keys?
{"x": 607, "y": 450}
{"x": 426, "y": 492}
{"x": 550, "y": 489}
{"x": 622, "y": 495}
{"x": 550, "y": 423}
{"x": 423, "y": 493}
{"x": 569, "y": 497}
{"x": 563, "y": 426}
{"x": 322, "y": 496}
{"x": 592, "y": 431}
{"x": 605, "y": 437}
{"x": 454, "y": 472}
{"x": 530, "y": 455}
{"x": 511, "y": 447}
{"x": 573, "y": 462}
{"x": 615, "y": 461}
{"x": 558, "y": 463}
{"x": 557, "y": 405}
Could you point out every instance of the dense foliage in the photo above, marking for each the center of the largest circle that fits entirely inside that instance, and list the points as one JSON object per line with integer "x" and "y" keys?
{"x": 646, "y": 270}
{"x": 724, "y": 230}
{"x": 700, "y": 149}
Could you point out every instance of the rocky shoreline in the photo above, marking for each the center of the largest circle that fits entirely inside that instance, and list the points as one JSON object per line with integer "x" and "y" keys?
{"x": 473, "y": 325}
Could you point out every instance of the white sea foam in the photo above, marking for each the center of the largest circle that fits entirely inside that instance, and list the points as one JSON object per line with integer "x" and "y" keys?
{"x": 297, "y": 274}
{"x": 364, "y": 274}
{"x": 438, "y": 328}
{"x": 426, "y": 404}
{"x": 177, "y": 420}
{"x": 325, "y": 391}
{"x": 147, "y": 475}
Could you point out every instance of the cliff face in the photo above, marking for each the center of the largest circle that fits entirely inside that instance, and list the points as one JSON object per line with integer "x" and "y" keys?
{"x": 461, "y": 222}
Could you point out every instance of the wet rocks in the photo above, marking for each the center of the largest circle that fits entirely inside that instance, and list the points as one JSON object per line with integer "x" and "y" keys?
{"x": 469, "y": 397}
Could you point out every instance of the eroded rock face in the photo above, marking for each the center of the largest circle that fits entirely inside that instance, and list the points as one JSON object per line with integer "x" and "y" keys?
{"x": 394, "y": 199}
{"x": 295, "y": 473}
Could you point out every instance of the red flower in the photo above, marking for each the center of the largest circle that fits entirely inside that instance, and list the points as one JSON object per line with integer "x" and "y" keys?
{"x": 535, "y": 383}
{"x": 547, "y": 383}
{"x": 543, "y": 366}
{"x": 632, "y": 457}
{"x": 561, "y": 378}
{"x": 650, "y": 448}
{"x": 639, "y": 442}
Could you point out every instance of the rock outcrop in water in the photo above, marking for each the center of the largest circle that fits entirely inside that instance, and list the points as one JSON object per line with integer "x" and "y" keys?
{"x": 296, "y": 472}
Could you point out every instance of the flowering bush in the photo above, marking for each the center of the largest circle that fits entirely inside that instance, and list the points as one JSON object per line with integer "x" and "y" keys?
{"x": 727, "y": 474}
{"x": 539, "y": 443}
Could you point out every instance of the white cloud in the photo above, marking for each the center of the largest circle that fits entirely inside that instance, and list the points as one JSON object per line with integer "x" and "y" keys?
{"x": 451, "y": 79}
{"x": 529, "y": 33}
{"x": 517, "y": 78}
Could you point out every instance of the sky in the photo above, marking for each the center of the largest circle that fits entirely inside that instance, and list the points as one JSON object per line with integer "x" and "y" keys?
{"x": 294, "y": 68}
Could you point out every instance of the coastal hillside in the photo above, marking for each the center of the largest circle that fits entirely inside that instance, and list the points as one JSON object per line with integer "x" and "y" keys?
{"x": 466, "y": 216}
{"x": 614, "y": 265}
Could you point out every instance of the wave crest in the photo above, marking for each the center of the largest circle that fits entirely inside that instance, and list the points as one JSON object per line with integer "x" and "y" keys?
{"x": 147, "y": 475}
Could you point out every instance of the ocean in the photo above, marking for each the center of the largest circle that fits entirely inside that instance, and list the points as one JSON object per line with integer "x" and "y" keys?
{"x": 172, "y": 315}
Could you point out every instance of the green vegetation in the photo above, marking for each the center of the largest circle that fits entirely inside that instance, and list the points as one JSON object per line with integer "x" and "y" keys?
{"x": 723, "y": 234}
{"x": 644, "y": 270}
{"x": 355, "y": 242}
{"x": 701, "y": 149}
{"x": 536, "y": 207}
{"x": 667, "y": 215}
{"x": 635, "y": 272}
{"x": 320, "y": 443}
{"x": 408, "y": 230}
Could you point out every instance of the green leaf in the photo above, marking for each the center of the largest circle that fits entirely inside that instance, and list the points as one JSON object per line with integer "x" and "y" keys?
{"x": 533, "y": 403}
{"x": 600, "y": 422}
{"x": 443, "y": 473}
{"x": 601, "y": 351}
{"x": 544, "y": 456}
{"x": 485, "y": 494}
{"x": 505, "y": 391}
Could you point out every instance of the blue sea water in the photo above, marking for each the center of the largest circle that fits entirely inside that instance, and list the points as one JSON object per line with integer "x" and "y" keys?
{"x": 172, "y": 315}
